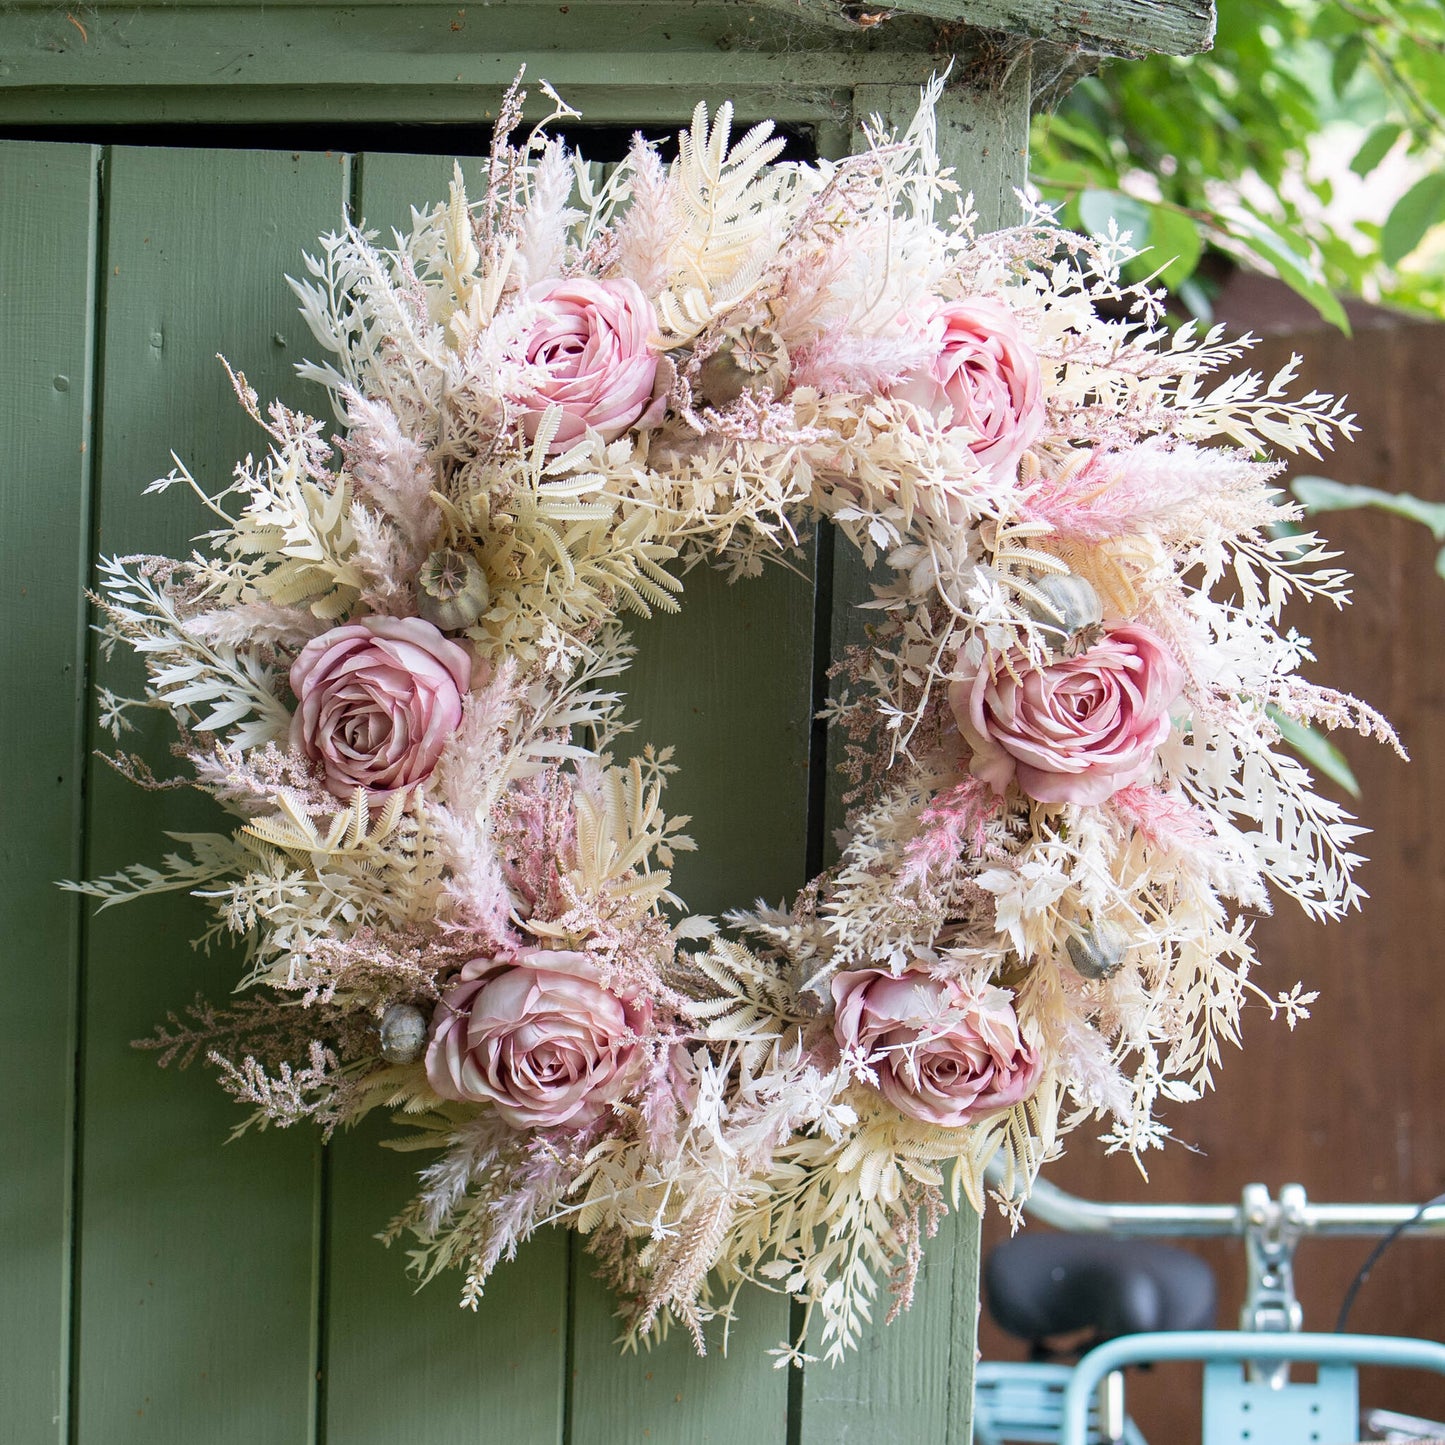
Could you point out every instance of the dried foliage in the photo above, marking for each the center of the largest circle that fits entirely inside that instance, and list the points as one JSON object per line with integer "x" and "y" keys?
{"x": 748, "y": 1136}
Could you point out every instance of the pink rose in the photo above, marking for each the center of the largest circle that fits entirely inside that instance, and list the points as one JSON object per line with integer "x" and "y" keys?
{"x": 941, "y": 1054}
{"x": 1076, "y": 730}
{"x": 536, "y": 1035}
{"x": 986, "y": 377}
{"x": 592, "y": 339}
{"x": 377, "y": 700}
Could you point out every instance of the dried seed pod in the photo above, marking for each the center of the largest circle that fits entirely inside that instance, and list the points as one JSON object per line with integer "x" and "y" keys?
{"x": 403, "y": 1033}
{"x": 452, "y": 590}
{"x": 751, "y": 358}
{"x": 1097, "y": 949}
{"x": 1065, "y": 604}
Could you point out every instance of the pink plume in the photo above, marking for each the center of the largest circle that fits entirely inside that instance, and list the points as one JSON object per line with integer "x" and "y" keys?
{"x": 1165, "y": 819}
{"x": 1118, "y": 492}
{"x": 953, "y": 823}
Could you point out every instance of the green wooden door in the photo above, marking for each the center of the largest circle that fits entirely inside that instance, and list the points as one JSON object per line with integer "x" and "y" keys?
{"x": 161, "y": 1286}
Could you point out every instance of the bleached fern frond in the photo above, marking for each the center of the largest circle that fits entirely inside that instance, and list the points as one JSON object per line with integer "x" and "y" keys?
{"x": 570, "y": 543}
{"x": 369, "y": 309}
{"x": 289, "y": 900}
{"x": 211, "y": 856}
{"x": 736, "y": 993}
{"x": 352, "y": 830}
{"x": 729, "y": 196}
{"x": 298, "y": 541}
{"x": 1301, "y": 841}
{"x": 623, "y": 833}
{"x": 1251, "y": 411}
{"x": 216, "y": 687}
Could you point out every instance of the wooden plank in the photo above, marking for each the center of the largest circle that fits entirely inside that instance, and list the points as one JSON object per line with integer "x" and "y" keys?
{"x": 912, "y": 1381}
{"x": 47, "y": 293}
{"x": 397, "y": 1360}
{"x": 728, "y": 682}
{"x": 1115, "y": 27}
{"x": 342, "y": 51}
{"x": 401, "y": 1364}
{"x": 225, "y": 52}
{"x": 197, "y": 1262}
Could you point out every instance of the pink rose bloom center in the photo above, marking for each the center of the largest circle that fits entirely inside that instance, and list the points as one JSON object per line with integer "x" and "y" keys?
{"x": 537, "y": 1036}
{"x": 592, "y": 340}
{"x": 942, "y": 1055}
{"x": 985, "y": 378}
{"x": 377, "y": 701}
{"x": 1076, "y": 730}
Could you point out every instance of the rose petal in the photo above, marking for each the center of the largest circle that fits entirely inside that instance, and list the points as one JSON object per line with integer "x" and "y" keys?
{"x": 543, "y": 1041}
{"x": 591, "y": 338}
{"x": 940, "y": 1055}
{"x": 377, "y": 701}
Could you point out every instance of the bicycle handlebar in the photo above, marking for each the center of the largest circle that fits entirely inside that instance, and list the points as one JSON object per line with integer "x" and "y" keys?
{"x": 1057, "y": 1207}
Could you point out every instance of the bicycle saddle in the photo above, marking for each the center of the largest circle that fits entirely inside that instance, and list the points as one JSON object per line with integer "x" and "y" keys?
{"x": 1042, "y": 1285}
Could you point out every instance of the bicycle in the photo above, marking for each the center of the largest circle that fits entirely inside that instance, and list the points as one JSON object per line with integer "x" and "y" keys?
{"x": 1146, "y": 1303}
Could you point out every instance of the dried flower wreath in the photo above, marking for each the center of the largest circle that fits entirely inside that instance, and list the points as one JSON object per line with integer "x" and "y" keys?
{"x": 393, "y": 662}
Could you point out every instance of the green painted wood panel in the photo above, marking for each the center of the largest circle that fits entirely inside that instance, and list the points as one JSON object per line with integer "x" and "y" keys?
{"x": 197, "y": 1262}
{"x": 47, "y": 309}
{"x": 727, "y": 682}
{"x": 398, "y": 1361}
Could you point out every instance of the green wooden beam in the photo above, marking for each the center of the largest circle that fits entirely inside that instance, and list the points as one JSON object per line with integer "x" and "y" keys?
{"x": 257, "y": 47}
{"x": 1117, "y": 27}
{"x": 407, "y": 63}
{"x": 450, "y": 63}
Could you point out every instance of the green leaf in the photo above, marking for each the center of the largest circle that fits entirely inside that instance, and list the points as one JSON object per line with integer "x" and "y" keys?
{"x": 1348, "y": 55}
{"x": 1375, "y": 148}
{"x": 1321, "y": 494}
{"x": 1413, "y": 215}
{"x": 1196, "y": 298}
{"x": 1082, "y": 137}
{"x": 1297, "y": 272}
{"x": 1331, "y": 21}
{"x": 1175, "y": 244}
{"x": 1317, "y": 750}
{"x": 1060, "y": 175}
{"x": 1098, "y": 208}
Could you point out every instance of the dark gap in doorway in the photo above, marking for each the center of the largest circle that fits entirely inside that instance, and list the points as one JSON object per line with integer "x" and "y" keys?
{"x": 605, "y": 144}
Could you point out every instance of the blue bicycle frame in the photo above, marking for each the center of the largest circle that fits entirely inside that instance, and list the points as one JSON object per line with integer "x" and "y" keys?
{"x": 1240, "y": 1410}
